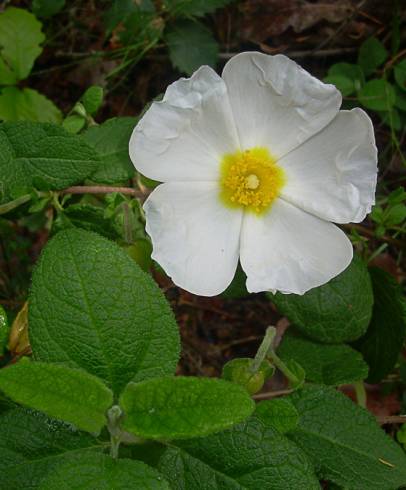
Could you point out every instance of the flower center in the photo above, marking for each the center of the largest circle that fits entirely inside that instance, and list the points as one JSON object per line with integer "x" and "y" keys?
{"x": 250, "y": 179}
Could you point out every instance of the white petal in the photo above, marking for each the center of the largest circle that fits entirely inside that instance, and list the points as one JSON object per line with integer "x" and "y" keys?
{"x": 276, "y": 103}
{"x": 291, "y": 251}
{"x": 333, "y": 175}
{"x": 183, "y": 137}
{"x": 195, "y": 237}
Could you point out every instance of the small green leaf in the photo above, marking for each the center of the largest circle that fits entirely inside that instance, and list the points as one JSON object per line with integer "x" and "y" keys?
{"x": 197, "y": 8}
{"x": 92, "y": 99}
{"x": 32, "y": 445}
{"x": 183, "y": 407}
{"x": 88, "y": 470}
{"x": 73, "y": 124}
{"x": 89, "y": 218}
{"x": 378, "y": 95}
{"x": 190, "y": 46}
{"x": 58, "y": 392}
{"x": 348, "y": 70}
{"x": 249, "y": 456}
{"x": 325, "y": 364}
{"x": 279, "y": 413}
{"x": 4, "y": 330}
{"x": 335, "y": 312}
{"x": 18, "y": 52}
{"x": 240, "y": 371}
{"x": 397, "y": 196}
{"x": 27, "y": 105}
{"x": 395, "y": 215}
{"x": 371, "y": 55}
{"x": 110, "y": 140}
{"x": 41, "y": 155}
{"x": 92, "y": 307}
{"x": 400, "y": 74}
{"x": 47, "y": 8}
{"x": 384, "y": 338}
{"x": 344, "y": 441}
{"x": 344, "y": 84}
{"x": 141, "y": 251}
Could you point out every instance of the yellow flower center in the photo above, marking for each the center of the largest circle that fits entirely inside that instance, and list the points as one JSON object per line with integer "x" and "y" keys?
{"x": 250, "y": 179}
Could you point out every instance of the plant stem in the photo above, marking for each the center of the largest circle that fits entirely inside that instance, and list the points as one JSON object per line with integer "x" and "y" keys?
{"x": 102, "y": 189}
{"x": 360, "y": 394}
{"x": 263, "y": 349}
{"x": 9, "y": 206}
{"x": 114, "y": 415}
{"x": 277, "y": 361}
{"x": 114, "y": 446}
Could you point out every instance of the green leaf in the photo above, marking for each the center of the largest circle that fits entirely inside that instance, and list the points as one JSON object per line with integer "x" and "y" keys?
{"x": 58, "y": 392}
{"x": 347, "y": 77}
{"x": 197, "y": 8}
{"x": 335, "y": 312}
{"x": 27, "y": 105}
{"x": 31, "y": 445}
{"x": 88, "y": 217}
{"x": 349, "y": 70}
{"x": 118, "y": 12}
{"x": 110, "y": 140}
{"x": 141, "y": 251}
{"x": 384, "y": 339}
{"x": 191, "y": 45}
{"x": 372, "y": 54}
{"x": 4, "y": 330}
{"x": 18, "y": 52}
{"x": 378, "y": 95}
{"x": 99, "y": 471}
{"x": 74, "y": 124}
{"x": 400, "y": 74}
{"x": 279, "y": 413}
{"x": 47, "y": 8}
{"x": 92, "y": 307}
{"x": 344, "y": 84}
{"x": 92, "y": 99}
{"x": 41, "y": 155}
{"x": 250, "y": 456}
{"x": 395, "y": 215}
{"x": 345, "y": 442}
{"x": 183, "y": 407}
{"x": 325, "y": 364}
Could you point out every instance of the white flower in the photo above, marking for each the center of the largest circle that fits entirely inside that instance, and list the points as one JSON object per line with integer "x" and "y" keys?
{"x": 255, "y": 166}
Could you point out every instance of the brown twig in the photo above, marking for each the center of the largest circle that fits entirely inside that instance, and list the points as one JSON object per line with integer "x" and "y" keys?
{"x": 95, "y": 189}
{"x": 391, "y": 419}
{"x": 271, "y": 394}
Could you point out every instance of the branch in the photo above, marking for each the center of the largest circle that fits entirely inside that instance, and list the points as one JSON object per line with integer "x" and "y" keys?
{"x": 102, "y": 189}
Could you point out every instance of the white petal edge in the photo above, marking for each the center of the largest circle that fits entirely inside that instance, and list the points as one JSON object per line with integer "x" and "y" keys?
{"x": 195, "y": 237}
{"x": 333, "y": 174}
{"x": 184, "y": 136}
{"x": 291, "y": 251}
{"x": 276, "y": 103}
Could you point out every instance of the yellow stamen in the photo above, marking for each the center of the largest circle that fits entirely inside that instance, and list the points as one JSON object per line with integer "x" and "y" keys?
{"x": 250, "y": 179}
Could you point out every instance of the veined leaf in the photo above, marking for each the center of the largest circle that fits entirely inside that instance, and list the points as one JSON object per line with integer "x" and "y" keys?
{"x": 183, "y": 407}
